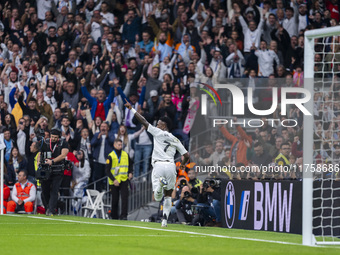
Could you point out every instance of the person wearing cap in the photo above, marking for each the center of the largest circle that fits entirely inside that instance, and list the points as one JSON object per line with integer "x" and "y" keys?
{"x": 153, "y": 102}
{"x": 128, "y": 51}
{"x": 302, "y": 16}
{"x": 53, "y": 152}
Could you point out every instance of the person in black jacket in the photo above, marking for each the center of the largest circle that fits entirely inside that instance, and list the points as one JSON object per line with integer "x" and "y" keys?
{"x": 101, "y": 144}
{"x": 118, "y": 179}
{"x": 208, "y": 202}
{"x": 166, "y": 108}
{"x": 53, "y": 152}
{"x": 30, "y": 109}
{"x": 183, "y": 206}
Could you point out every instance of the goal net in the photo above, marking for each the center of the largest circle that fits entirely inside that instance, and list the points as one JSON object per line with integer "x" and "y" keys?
{"x": 321, "y": 155}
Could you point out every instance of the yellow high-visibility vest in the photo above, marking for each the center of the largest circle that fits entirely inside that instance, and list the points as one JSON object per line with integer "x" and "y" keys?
{"x": 123, "y": 166}
{"x": 36, "y": 167}
{"x": 284, "y": 160}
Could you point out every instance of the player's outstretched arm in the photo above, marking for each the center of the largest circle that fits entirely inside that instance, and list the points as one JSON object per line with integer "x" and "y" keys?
{"x": 184, "y": 161}
{"x": 139, "y": 117}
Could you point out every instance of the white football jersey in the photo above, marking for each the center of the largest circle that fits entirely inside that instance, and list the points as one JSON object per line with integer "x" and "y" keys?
{"x": 165, "y": 145}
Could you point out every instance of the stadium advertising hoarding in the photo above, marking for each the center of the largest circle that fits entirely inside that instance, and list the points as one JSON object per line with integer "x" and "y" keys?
{"x": 262, "y": 205}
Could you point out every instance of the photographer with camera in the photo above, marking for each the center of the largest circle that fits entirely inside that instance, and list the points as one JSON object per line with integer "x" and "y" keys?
{"x": 208, "y": 202}
{"x": 183, "y": 206}
{"x": 53, "y": 152}
{"x": 193, "y": 181}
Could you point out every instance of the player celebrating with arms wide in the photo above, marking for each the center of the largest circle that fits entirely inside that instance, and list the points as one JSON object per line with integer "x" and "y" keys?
{"x": 164, "y": 168}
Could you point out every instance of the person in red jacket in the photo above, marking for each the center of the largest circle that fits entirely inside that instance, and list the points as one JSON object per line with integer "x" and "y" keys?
{"x": 7, "y": 193}
{"x": 333, "y": 7}
{"x": 23, "y": 195}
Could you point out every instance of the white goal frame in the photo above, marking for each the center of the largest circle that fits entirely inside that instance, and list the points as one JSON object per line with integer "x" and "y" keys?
{"x": 307, "y": 188}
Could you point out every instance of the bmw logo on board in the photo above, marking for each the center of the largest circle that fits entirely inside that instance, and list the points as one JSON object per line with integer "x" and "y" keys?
{"x": 230, "y": 204}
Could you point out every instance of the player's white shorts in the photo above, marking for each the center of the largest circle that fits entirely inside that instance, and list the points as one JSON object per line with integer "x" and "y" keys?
{"x": 166, "y": 170}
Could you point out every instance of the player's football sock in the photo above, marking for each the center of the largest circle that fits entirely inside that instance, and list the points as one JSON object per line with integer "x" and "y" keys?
{"x": 158, "y": 193}
{"x": 167, "y": 206}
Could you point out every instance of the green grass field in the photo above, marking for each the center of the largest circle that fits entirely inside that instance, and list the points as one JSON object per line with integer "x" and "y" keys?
{"x": 75, "y": 235}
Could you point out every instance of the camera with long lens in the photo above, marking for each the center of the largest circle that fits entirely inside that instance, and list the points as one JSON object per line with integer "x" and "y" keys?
{"x": 45, "y": 170}
{"x": 40, "y": 134}
{"x": 213, "y": 183}
{"x": 187, "y": 194}
{"x": 195, "y": 191}
{"x": 183, "y": 183}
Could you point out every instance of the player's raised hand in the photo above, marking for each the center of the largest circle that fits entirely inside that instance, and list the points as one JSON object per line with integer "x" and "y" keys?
{"x": 127, "y": 105}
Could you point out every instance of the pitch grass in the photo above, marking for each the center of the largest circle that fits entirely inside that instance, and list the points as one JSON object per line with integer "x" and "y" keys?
{"x": 75, "y": 235}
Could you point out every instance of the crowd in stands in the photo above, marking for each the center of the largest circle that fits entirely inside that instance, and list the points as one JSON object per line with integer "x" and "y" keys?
{"x": 71, "y": 65}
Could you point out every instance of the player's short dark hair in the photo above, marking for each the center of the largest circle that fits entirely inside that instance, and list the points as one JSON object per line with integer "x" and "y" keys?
{"x": 168, "y": 122}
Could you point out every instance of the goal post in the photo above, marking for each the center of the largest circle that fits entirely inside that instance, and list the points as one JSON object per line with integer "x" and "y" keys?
{"x": 325, "y": 36}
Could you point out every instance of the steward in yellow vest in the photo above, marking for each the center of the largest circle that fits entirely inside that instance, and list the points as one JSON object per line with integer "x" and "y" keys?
{"x": 119, "y": 171}
{"x": 282, "y": 158}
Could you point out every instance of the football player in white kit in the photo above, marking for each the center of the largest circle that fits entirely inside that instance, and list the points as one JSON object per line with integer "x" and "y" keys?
{"x": 164, "y": 168}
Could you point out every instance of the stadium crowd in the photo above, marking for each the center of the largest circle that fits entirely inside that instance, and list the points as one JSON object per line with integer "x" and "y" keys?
{"x": 71, "y": 64}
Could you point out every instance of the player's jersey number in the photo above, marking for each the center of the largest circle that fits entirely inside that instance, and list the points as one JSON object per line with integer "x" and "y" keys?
{"x": 167, "y": 146}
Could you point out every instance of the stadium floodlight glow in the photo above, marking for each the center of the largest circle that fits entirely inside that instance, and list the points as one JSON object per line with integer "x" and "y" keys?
{"x": 321, "y": 39}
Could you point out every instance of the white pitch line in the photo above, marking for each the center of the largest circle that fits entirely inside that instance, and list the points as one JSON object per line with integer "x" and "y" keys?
{"x": 90, "y": 235}
{"x": 17, "y": 223}
{"x": 168, "y": 230}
